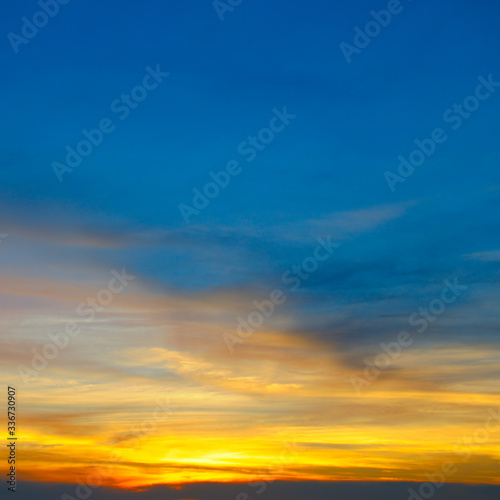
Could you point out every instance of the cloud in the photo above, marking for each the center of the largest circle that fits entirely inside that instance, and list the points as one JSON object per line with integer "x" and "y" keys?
{"x": 491, "y": 256}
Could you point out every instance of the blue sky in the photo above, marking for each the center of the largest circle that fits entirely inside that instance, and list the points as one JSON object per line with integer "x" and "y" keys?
{"x": 323, "y": 175}
{"x": 353, "y": 121}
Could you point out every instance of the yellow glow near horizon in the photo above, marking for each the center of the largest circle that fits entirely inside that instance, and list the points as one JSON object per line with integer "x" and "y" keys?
{"x": 168, "y": 408}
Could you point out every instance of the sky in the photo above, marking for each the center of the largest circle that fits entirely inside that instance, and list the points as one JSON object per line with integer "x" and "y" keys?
{"x": 249, "y": 249}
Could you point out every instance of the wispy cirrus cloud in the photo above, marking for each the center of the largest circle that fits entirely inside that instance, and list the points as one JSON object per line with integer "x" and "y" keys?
{"x": 488, "y": 256}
